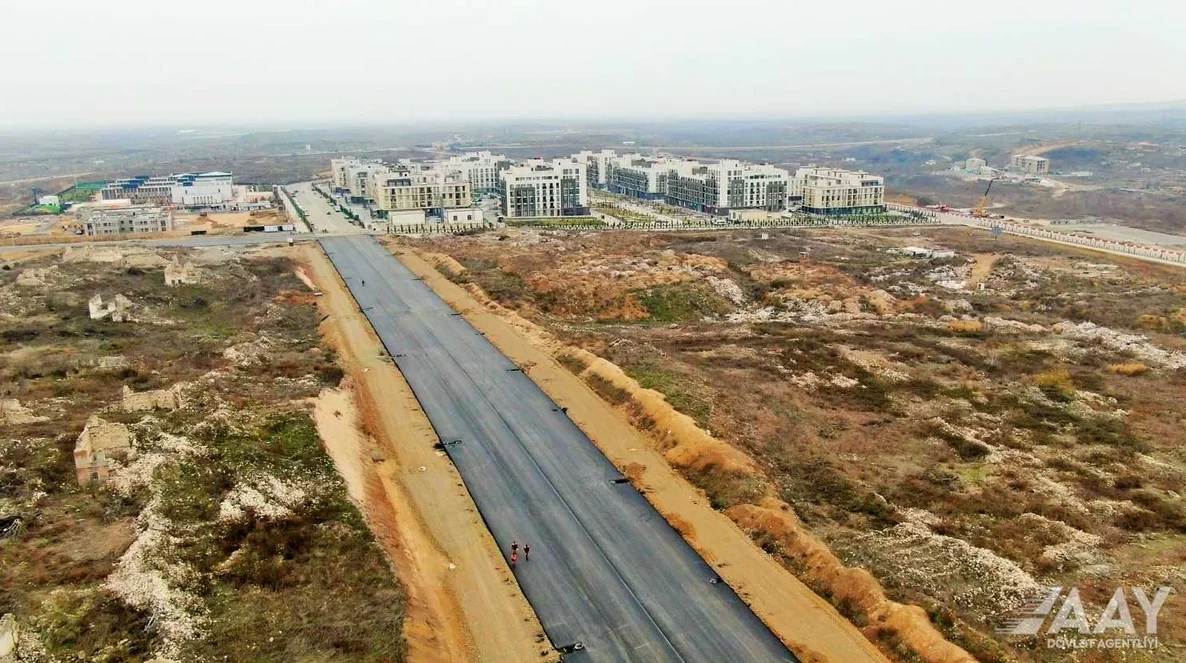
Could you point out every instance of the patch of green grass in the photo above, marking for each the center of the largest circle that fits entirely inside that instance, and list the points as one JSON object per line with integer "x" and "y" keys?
{"x": 286, "y": 445}
{"x": 94, "y": 625}
{"x": 682, "y": 302}
{"x": 503, "y": 287}
{"x": 726, "y": 489}
{"x": 675, "y": 388}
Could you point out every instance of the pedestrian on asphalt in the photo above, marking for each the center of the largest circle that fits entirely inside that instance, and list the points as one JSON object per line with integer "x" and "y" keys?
{"x": 526, "y": 552}
{"x": 514, "y": 547}
{"x": 514, "y": 559}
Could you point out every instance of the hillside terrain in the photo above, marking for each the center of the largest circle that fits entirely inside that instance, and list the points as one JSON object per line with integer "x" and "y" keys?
{"x": 163, "y": 486}
{"x": 967, "y": 429}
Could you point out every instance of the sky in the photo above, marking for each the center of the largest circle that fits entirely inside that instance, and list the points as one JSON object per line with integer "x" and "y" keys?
{"x": 72, "y": 63}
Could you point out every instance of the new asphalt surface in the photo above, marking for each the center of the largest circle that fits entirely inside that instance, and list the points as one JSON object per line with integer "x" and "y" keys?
{"x": 606, "y": 570}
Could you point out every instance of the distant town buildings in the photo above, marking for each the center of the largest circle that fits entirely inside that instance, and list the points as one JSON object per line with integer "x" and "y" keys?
{"x": 123, "y": 220}
{"x": 727, "y": 185}
{"x": 975, "y": 164}
{"x": 1030, "y": 164}
{"x": 410, "y": 192}
{"x": 539, "y": 188}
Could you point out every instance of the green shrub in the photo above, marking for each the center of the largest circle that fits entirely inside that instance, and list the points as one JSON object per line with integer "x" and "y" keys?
{"x": 682, "y": 302}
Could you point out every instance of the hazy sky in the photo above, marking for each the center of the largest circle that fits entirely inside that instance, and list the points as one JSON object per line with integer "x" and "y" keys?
{"x": 75, "y": 62}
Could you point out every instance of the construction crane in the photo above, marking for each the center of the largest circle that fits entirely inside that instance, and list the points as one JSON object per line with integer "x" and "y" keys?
{"x": 980, "y": 211}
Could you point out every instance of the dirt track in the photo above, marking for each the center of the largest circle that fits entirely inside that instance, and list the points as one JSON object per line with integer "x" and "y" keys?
{"x": 806, "y": 622}
{"x": 462, "y": 602}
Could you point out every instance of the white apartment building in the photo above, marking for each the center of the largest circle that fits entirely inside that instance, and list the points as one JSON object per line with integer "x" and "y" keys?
{"x": 538, "y": 188}
{"x": 728, "y": 184}
{"x": 1031, "y": 164}
{"x": 413, "y": 186}
{"x": 121, "y": 220}
{"x": 838, "y": 191}
{"x": 480, "y": 168}
{"x": 337, "y": 167}
{"x": 203, "y": 190}
{"x": 352, "y": 175}
{"x": 975, "y": 163}
{"x": 637, "y": 176}
{"x": 596, "y": 166}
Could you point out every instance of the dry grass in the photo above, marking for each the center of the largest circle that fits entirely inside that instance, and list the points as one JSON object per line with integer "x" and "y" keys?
{"x": 1129, "y": 368}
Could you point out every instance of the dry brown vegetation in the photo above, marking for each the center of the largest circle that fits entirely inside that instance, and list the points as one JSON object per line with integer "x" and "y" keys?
{"x": 963, "y": 443}
{"x": 222, "y": 533}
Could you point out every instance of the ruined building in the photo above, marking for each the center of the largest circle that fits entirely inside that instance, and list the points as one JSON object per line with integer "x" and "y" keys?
{"x": 100, "y": 442}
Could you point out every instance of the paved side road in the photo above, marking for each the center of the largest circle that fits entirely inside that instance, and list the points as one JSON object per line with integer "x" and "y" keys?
{"x": 606, "y": 570}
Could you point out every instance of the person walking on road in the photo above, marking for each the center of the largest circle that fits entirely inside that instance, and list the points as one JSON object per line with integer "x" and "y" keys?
{"x": 514, "y": 559}
{"x": 526, "y": 552}
{"x": 514, "y": 547}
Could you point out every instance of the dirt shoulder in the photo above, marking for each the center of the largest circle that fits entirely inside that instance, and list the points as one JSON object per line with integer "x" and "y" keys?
{"x": 806, "y": 622}
{"x": 462, "y": 602}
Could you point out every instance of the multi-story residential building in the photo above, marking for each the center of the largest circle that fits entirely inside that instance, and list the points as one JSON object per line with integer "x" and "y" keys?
{"x": 203, "y": 190}
{"x": 338, "y": 167}
{"x": 637, "y": 176}
{"x": 358, "y": 179}
{"x": 413, "y": 186}
{"x": 480, "y": 168}
{"x": 1031, "y": 164}
{"x": 596, "y": 166}
{"x": 184, "y": 190}
{"x": 539, "y": 188}
{"x": 120, "y": 220}
{"x": 728, "y": 184}
{"x": 837, "y": 191}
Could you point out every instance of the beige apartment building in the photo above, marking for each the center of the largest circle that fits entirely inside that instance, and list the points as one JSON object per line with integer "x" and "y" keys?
{"x": 121, "y": 220}
{"x": 408, "y": 186}
{"x": 1031, "y": 164}
{"x": 838, "y": 191}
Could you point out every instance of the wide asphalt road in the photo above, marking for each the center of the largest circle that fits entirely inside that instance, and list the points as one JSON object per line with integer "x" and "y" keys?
{"x": 606, "y": 569}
